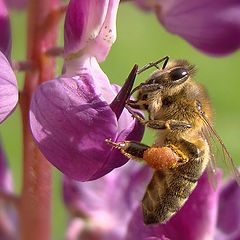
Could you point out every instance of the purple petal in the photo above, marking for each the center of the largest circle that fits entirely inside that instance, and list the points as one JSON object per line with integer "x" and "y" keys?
{"x": 8, "y": 228}
{"x": 90, "y": 27}
{"x": 5, "y": 36}
{"x": 211, "y": 26}
{"x": 75, "y": 227}
{"x": 228, "y": 224}
{"x": 108, "y": 202}
{"x": 195, "y": 220}
{"x": 107, "y": 35}
{"x": 8, "y": 88}
{"x": 70, "y": 120}
{"x": 6, "y": 183}
{"x": 90, "y": 66}
{"x": 134, "y": 132}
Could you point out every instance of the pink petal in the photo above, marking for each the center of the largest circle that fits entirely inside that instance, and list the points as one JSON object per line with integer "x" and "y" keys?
{"x": 109, "y": 201}
{"x": 90, "y": 27}
{"x": 5, "y": 36}
{"x": 8, "y": 89}
{"x": 228, "y": 224}
{"x": 211, "y": 26}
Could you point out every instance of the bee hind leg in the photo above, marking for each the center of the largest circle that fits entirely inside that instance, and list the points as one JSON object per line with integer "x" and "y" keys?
{"x": 156, "y": 157}
{"x": 130, "y": 149}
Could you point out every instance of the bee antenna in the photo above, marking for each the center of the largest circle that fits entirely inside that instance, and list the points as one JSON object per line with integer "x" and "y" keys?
{"x": 154, "y": 64}
{"x": 166, "y": 59}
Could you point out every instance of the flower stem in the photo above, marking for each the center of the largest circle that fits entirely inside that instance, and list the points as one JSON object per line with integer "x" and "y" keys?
{"x": 35, "y": 205}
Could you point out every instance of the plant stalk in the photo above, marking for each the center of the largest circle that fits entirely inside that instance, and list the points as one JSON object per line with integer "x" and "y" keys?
{"x": 35, "y": 201}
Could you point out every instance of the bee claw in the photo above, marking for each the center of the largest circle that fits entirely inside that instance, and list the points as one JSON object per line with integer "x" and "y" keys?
{"x": 110, "y": 142}
{"x": 119, "y": 145}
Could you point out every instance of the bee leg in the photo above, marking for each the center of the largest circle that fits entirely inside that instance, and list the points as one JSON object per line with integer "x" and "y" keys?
{"x": 131, "y": 149}
{"x": 170, "y": 124}
{"x": 156, "y": 157}
{"x": 136, "y": 115}
{"x": 190, "y": 149}
{"x": 158, "y": 124}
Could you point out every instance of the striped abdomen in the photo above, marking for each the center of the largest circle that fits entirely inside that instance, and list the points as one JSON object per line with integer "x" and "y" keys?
{"x": 168, "y": 190}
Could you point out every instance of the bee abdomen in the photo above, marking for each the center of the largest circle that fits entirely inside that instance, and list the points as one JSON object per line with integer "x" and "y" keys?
{"x": 165, "y": 195}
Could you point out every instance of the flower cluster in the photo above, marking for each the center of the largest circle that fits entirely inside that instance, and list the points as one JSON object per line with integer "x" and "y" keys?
{"x": 109, "y": 208}
{"x": 72, "y": 115}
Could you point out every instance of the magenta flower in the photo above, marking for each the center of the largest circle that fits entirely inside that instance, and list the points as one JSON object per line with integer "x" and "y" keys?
{"x": 8, "y": 82}
{"x": 211, "y": 26}
{"x": 105, "y": 204}
{"x": 109, "y": 208}
{"x": 8, "y": 229}
{"x": 195, "y": 220}
{"x": 228, "y": 222}
{"x": 72, "y": 115}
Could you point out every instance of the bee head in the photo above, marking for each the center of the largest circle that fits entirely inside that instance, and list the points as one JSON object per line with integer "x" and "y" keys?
{"x": 164, "y": 82}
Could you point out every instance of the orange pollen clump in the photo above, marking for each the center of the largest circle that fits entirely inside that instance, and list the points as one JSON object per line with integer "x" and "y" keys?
{"x": 160, "y": 157}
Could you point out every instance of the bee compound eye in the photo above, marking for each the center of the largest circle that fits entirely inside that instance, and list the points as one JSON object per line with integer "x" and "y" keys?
{"x": 178, "y": 73}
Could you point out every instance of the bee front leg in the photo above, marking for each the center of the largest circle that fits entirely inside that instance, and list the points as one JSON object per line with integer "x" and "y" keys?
{"x": 174, "y": 125}
{"x": 159, "y": 124}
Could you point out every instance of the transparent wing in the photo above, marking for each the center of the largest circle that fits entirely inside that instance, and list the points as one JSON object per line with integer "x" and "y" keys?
{"x": 212, "y": 164}
{"x": 216, "y": 144}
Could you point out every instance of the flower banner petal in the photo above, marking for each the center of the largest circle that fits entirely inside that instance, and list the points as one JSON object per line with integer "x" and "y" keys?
{"x": 90, "y": 27}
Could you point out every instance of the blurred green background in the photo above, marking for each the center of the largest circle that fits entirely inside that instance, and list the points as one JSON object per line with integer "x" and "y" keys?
{"x": 141, "y": 39}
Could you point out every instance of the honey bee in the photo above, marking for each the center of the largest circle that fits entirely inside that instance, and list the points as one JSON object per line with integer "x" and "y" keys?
{"x": 179, "y": 110}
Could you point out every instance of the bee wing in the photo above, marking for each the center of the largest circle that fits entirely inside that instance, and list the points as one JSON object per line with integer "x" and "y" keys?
{"x": 216, "y": 142}
{"x": 212, "y": 164}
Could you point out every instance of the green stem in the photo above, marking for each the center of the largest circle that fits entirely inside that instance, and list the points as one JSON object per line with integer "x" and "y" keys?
{"x": 35, "y": 204}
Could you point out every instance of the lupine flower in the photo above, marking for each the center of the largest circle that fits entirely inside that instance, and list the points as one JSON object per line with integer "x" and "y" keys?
{"x": 8, "y": 227}
{"x": 228, "y": 221}
{"x": 72, "y": 115}
{"x": 211, "y": 26}
{"x": 8, "y": 82}
{"x": 109, "y": 208}
{"x": 105, "y": 204}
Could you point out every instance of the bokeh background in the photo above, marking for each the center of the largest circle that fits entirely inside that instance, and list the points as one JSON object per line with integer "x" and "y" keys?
{"x": 141, "y": 39}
